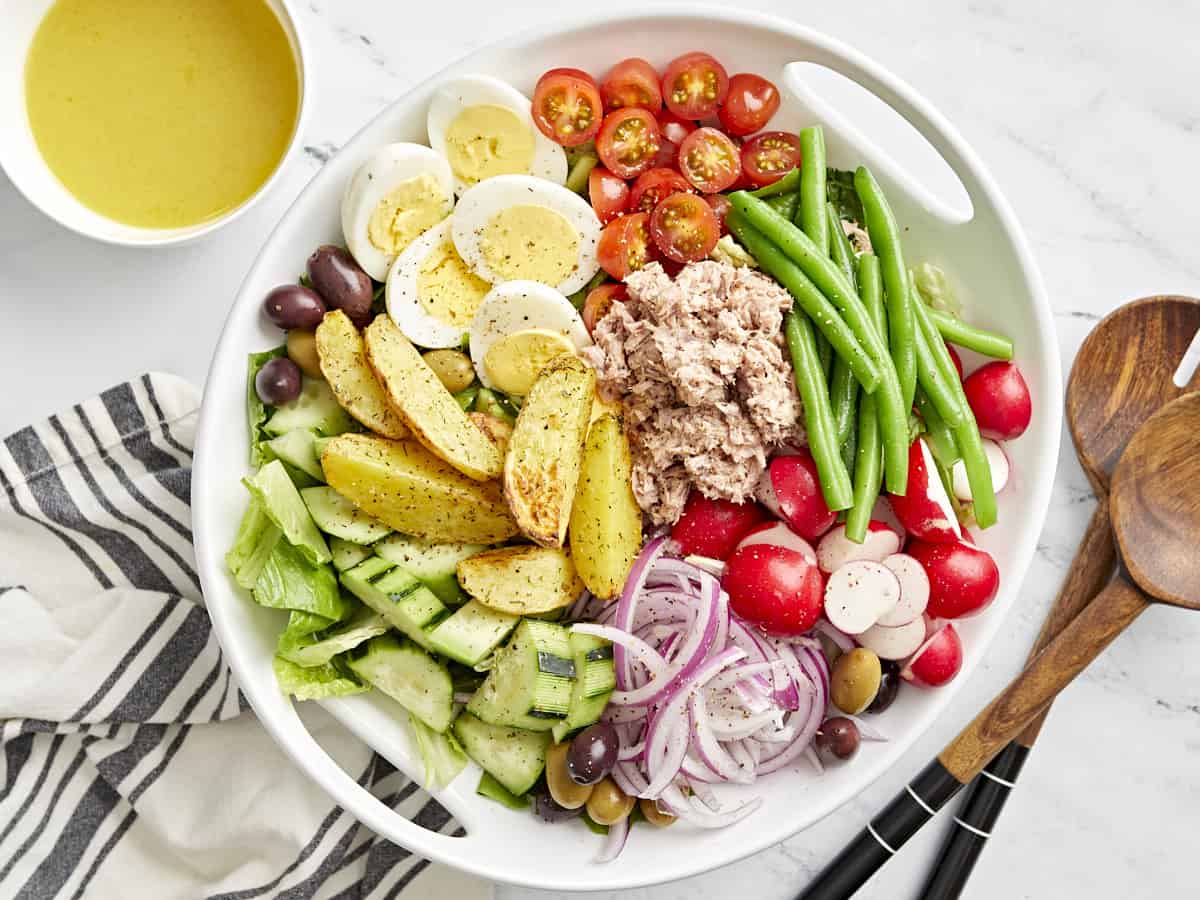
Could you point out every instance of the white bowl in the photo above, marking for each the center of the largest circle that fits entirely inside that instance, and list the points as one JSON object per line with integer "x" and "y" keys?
{"x": 25, "y": 166}
{"x": 1002, "y": 289}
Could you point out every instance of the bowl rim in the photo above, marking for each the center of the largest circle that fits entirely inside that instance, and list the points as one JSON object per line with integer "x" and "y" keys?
{"x": 341, "y": 787}
{"x": 138, "y": 236}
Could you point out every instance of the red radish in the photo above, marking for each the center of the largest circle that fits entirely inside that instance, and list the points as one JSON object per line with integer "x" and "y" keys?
{"x": 858, "y": 593}
{"x": 774, "y": 587}
{"x": 914, "y": 592}
{"x": 956, "y": 359}
{"x": 712, "y": 528}
{"x": 997, "y": 462}
{"x": 884, "y": 513}
{"x": 937, "y": 661}
{"x": 835, "y": 549}
{"x": 896, "y": 642}
{"x": 963, "y": 579}
{"x": 1000, "y": 400}
{"x": 925, "y": 509}
{"x": 779, "y": 535}
{"x": 791, "y": 490}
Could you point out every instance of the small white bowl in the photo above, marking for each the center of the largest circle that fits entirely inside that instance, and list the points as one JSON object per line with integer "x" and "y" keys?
{"x": 23, "y": 162}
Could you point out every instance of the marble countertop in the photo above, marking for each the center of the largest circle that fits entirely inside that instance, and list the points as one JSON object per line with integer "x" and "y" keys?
{"x": 1086, "y": 114}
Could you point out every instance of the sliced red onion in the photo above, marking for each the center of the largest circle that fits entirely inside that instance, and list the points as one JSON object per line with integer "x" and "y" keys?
{"x": 703, "y": 792}
{"x": 708, "y": 564}
{"x": 710, "y": 749}
{"x": 614, "y": 841}
{"x": 695, "y": 813}
{"x": 867, "y": 731}
{"x": 844, "y": 642}
{"x": 627, "y": 604}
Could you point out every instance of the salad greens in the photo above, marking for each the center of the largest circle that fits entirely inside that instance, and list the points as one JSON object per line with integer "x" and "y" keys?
{"x": 283, "y": 505}
{"x": 256, "y": 410}
{"x": 289, "y": 581}
{"x": 442, "y": 754}
{"x": 329, "y": 680}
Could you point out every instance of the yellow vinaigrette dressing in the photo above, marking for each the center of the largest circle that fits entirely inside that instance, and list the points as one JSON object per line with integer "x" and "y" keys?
{"x": 161, "y": 113}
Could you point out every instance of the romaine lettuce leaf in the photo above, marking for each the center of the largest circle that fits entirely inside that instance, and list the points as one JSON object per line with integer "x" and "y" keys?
{"x": 934, "y": 288}
{"x": 318, "y": 646}
{"x": 329, "y": 680}
{"x": 272, "y": 487}
{"x": 256, "y": 538}
{"x": 289, "y": 581}
{"x": 839, "y": 187}
{"x": 256, "y": 410}
{"x": 441, "y": 753}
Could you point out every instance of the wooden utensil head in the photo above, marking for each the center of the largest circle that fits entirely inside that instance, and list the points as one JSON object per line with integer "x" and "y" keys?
{"x": 1156, "y": 504}
{"x": 1123, "y": 375}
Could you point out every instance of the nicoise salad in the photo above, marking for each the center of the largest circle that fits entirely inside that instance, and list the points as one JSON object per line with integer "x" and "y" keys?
{"x": 622, "y": 447}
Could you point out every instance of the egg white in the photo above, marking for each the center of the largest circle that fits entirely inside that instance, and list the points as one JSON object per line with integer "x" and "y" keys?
{"x": 403, "y": 300}
{"x": 518, "y": 306}
{"x": 479, "y": 204}
{"x": 383, "y": 170}
{"x": 549, "y": 159}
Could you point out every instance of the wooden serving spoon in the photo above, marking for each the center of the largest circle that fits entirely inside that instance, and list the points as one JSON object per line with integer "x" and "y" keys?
{"x": 1123, "y": 373}
{"x": 1155, "y": 512}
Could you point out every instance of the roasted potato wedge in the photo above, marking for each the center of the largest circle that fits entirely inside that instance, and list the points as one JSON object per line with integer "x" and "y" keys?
{"x": 544, "y": 452}
{"x": 524, "y": 581}
{"x": 407, "y": 487}
{"x": 606, "y": 523}
{"x": 497, "y": 430}
{"x": 344, "y": 365}
{"x": 428, "y": 409}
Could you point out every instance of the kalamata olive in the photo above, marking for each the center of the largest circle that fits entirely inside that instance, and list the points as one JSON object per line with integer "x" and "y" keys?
{"x": 341, "y": 283}
{"x": 549, "y": 811}
{"x": 593, "y": 753}
{"x": 294, "y": 306}
{"x": 608, "y": 804}
{"x": 889, "y": 687}
{"x": 838, "y": 737}
{"x": 452, "y": 367}
{"x": 854, "y": 680}
{"x": 278, "y": 381}
{"x": 653, "y": 814}
{"x": 566, "y": 792}
{"x": 302, "y": 350}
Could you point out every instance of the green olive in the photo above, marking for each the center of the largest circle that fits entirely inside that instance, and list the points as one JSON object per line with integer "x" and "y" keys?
{"x": 452, "y": 367}
{"x": 302, "y": 350}
{"x": 855, "y": 680}
{"x": 608, "y": 804}
{"x": 563, "y": 789}
{"x": 654, "y": 815}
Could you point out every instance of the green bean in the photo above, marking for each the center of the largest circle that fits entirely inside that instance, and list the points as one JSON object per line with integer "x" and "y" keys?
{"x": 577, "y": 178}
{"x": 843, "y": 389}
{"x": 868, "y": 466}
{"x": 818, "y": 419}
{"x": 935, "y": 382}
{"x": 810, "y": 299}
{"x": 850, "y": 444}
{"x": 885, "y": 242}
{"x": 938, "y": 434}
{"x": 843, "y": 399}
{"x": 785, "y": 185}
{"x": 785, "y": 204}
{"x": 797, "y": 247}
{"x": 813, "y": 195}
{"x": 840, "y": 250}
{"x": 956, "y": 331}
{"x": 824, "y": 354}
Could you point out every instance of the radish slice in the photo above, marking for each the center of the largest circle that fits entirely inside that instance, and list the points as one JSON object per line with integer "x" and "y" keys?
{"x": 914, "y": 592}
{"x": 937, "y": 660}
{"x": 835, "y": 549}
{"x": 894, "y": 643}
{"x": 779, "y": 535}
{"x": 925, "y": 509}
{"x": 858, "y": 593}
{"x": 997, "y": 461}
{"x": 883, "y": 512}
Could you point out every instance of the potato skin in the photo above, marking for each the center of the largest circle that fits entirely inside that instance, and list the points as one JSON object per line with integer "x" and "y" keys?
{"x": 344, "y": 365}
{"x": 521, "y": 580}
{"x": 606, "y": 522}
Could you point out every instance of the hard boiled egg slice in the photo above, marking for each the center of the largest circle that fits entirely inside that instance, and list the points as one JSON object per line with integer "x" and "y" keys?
{"x": 400, "y": 192}
{"x": 431, "y": 293}
{"x": 484, "y": 128}
{"x": 519, "y": 327}
{"x": 519, "y": 228}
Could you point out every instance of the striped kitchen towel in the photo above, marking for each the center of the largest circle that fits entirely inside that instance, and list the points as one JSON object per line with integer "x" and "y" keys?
{"x": 130, "y": 765}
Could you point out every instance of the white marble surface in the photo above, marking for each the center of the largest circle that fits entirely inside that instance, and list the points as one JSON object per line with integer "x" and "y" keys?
{"x": 1086, "y": 113}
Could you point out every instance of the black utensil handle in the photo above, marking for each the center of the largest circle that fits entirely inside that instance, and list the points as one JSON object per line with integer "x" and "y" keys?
{"x": 973, "y": 825}
{"x": 887, "y": 833}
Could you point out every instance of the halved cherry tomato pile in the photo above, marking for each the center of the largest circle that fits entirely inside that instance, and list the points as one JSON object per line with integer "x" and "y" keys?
{"x": 668, "y": 144}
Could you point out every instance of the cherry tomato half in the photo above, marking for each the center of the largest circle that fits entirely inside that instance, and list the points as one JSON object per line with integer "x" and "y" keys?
{"x": 608, "y": 194}
{"x": 673, "y": 128}
{"x": 653, "y": 186}
{"x": 709, "y": 160}
{"x": 720, "y": 206}
{"x": 749, "y": 105}
{"x": 684, "y": 227}
{"x": 624, "y": 245}
{"x": 769, "y": 156}
{"x": 694, "y": 85}
{"x": 566, "y": 107}
{"x": 631, "y": 82}
{"x": 599, "y": 300}
{"x": 628, "y": 141}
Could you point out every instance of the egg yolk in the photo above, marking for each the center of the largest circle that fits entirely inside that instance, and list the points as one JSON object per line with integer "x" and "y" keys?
{"x": 406, "y": 212}
{"x": 484, "y": 141}
{"x": 514, "y": 361}
{"x": 446, "y": 289}
{"x": 530, "y": 242}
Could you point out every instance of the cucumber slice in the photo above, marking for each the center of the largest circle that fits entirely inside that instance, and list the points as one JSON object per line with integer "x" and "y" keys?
{"x": 410, "y": 676}
{"x": 530, "y": 684}
{"x": 295, "y": 448}
{"x": 433, "y": 563}
{"x": 319, "y": 445}
{"x": 594, "y": 683}
{"x": 407, "y": 604}
{"x": 336, "y": 515}
{"x": 515, "y": 758}
{"x": 492, "y": 789}
{"x": 281, "y": 502}
{"x": 346, "y": 554}
{"x": 316, "y": 409}
{"x": 472, "y": 632}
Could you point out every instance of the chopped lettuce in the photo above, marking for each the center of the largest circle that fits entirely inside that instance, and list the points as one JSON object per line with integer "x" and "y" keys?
{"x": 492, "y": 789}
{"x": 443, "y": 756}
{"x": 289, "y": 581}
{"x": 329, "y": 680}
{"x": 316, "y": 647}
{"x": 934, "y": 288}
{"x": 839, "y": 187}
{"x": 272, "y": 487}
{"x": 256, "y": 538}
{"x": 256, "y": 410}
{"x": 730, "y": 251}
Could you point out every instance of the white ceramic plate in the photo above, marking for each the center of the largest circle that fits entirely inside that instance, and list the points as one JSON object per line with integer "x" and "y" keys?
{"x": 990, "y": 261}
